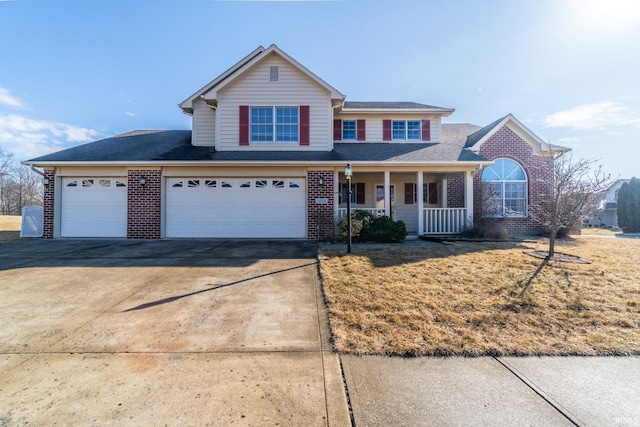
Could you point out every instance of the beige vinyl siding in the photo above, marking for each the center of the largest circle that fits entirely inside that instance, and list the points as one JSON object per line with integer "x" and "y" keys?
{"x": 293, "y": 88}
{"x": 373, "y": 124}
{"x": 204, "y": 124}
{"x": 231, "y": 171}
{"x": 104, "y": 171}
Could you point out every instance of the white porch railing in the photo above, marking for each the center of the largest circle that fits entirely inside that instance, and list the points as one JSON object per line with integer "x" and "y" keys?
{"x": 444, "y": 220}
{"x": 376, "y": 212}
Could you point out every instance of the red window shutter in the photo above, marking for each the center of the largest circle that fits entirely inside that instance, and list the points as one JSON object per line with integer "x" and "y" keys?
{"x": 244, "y": 125}
{"x": 337, "y": 130}
{"x": 360, "y": 130}
{"x": 386, "y": 130}
{"x": 408, "y": 193}
{"x": 360, "y": 193}
{"x": 304, "y": 125}
{"x": 426, "y": 130}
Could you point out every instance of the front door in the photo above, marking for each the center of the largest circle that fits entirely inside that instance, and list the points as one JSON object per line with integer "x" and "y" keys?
{"x": 380, "y": 198}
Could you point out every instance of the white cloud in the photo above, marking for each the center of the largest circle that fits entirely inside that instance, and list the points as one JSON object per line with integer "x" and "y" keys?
{"x": 27, "y": 138}
{"x": 7, "y": 99}
{"x": 594, "y": 116}
{"x": 130, "y": 114}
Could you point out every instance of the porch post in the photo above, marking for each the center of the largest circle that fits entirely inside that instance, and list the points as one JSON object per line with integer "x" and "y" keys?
{"x": 387, "y": 193}
{"x": 420, "y": 192}
{"x": 336, "y": 197}
{"x": 468, "y": 197}
{"x": 445, "y": 202}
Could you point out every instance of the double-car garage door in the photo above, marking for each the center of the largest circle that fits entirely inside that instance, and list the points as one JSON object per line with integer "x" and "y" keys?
{"x": 194, "y": 207}
{"x": 235, "y": 207}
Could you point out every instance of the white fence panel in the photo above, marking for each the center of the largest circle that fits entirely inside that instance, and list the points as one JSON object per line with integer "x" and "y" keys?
{"x": 32, "y": 221}
{"x": 376, "y": 212}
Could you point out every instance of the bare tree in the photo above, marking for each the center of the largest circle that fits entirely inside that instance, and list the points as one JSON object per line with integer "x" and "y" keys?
{"x": 573, "y": 195}
{"x": 19, "y": 185}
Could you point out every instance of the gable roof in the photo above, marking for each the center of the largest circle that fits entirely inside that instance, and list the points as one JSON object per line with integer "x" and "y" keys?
{"x": 476, "y": 139}
{"x": 174, "y": 146}
{"x": 245, "y": 64}
{"x": 187, "y": 104}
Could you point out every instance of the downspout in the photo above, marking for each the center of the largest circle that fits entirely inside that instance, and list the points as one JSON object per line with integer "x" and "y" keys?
{"x": 33, "y": 168}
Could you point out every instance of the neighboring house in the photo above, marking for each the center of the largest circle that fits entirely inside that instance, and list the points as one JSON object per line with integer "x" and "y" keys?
{"x": 266, "y": 157}
{"x": 607, "y": 213}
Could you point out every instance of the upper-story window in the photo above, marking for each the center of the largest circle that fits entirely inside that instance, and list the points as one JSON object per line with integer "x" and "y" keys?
{"x": 274, "y": 124}
{"x": 406, "y": 130}
{"x": 348, "y": 130}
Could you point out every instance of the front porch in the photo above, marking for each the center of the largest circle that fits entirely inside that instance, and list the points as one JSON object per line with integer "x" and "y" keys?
{"x": 432, "y": 202}
{"x": 436, "y": 220}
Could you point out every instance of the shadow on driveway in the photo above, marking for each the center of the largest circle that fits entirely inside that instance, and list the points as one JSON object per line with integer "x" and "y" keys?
{"x": 149, "y": 253}
{"x": 172, "y": 299}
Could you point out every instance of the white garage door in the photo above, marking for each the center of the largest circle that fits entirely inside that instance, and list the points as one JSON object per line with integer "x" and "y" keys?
{"x": 94, "y": 207}
{"x": 235, "y": 207}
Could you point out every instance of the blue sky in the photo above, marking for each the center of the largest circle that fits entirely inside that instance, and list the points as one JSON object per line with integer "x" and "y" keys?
{"x": 77, "y": 71}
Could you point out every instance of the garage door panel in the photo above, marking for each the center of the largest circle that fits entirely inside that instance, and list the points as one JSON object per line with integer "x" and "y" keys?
{"x": 93, "y": 207}
{"x": 235, "y": 207}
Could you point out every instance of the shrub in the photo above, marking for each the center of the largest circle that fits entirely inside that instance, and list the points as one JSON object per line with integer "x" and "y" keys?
{"x": 359, "y": 220}
{"x": 385, "y": 230}
{"x": 487, "y": 229}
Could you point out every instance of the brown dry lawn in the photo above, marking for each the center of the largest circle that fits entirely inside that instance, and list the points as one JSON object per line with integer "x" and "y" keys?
{"x": 417, "y": 299}
{"x": 9, "y": 228}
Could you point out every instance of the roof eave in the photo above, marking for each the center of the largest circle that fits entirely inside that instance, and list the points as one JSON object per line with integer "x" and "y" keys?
{"x": 187, "y": 104}
{"x": 333, "y": 163}
{"x": 444, "y": 112}
{"x": 540, "y": 148}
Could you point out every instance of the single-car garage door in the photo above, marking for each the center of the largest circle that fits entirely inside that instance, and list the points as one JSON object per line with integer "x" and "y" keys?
{"x": 235, "y": 207}
{"x": 94, "y": 207}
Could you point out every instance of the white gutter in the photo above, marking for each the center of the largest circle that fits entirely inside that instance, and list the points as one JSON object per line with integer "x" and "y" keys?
{"x": 267, "y": 163}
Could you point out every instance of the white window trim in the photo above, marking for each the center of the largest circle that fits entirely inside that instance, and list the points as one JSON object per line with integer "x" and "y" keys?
{"x": 525, "y": 181}
{"x": 274, "y": 124}
{"x": 355, "y": 130}
{"x": 406, "y": 130}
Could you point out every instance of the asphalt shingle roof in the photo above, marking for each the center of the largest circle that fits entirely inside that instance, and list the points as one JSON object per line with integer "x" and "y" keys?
{"x": 175, "y": 145}
{"x": 473, "y": 138}
{"x": 389, "y": 105}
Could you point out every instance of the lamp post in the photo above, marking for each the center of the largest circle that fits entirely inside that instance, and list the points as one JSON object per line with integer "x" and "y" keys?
{"x": 348, "y": 173}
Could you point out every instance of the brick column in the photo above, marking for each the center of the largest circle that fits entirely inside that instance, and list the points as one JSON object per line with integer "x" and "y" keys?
{"x": 320, "y": 220}
{"x": 144, "y": 204}
{"x": 48, "y": 203}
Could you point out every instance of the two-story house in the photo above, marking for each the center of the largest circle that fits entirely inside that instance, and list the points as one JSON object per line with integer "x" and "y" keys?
{"x": 266, "y": 158}
{"x": 607, "y": 214}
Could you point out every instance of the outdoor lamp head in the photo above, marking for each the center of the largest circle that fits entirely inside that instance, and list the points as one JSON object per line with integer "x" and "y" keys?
{"x": 348, "y": 172}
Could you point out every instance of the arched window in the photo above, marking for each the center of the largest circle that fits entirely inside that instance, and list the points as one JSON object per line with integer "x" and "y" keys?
{"x": 504, "y": 189}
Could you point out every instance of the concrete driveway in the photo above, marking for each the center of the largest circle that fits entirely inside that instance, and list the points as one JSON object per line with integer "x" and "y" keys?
{"x": 184, "y": 332}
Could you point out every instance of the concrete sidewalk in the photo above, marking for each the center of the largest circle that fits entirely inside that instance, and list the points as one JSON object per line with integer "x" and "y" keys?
{"x": 102, "y": 332}
{"x": 539, "y": 391}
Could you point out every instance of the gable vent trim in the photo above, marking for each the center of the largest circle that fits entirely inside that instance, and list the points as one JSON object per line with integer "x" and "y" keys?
{"x": 273, "y": 73}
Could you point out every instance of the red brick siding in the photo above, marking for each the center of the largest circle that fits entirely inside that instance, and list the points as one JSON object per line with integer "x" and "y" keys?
{"x": 455, "y": 192}
{"x": 539, "y": 170}
{"x": 48, "y": 199}
{"x": 320, "y": 220}
{"x": 144, "y": 204}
